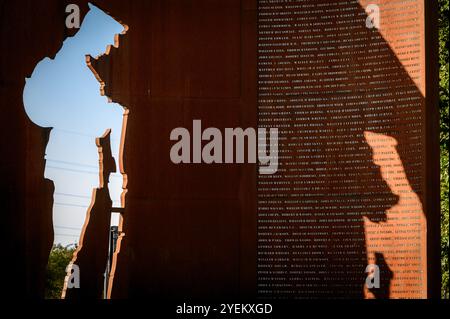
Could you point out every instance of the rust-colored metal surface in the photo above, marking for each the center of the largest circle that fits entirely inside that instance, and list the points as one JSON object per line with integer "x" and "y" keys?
{"x": 191, "y": 230}
{"x": 29, "y": 32}
{"x": 187, "y": 229}
{"x": 353, "y": 187}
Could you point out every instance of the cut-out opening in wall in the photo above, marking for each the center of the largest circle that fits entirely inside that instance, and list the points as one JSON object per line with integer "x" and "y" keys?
{"x": 65, "y": 94}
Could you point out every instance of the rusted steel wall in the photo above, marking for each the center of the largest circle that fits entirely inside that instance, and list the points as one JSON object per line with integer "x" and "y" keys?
{"x": 188, "y": 230}
{"x": 30, "y": 31}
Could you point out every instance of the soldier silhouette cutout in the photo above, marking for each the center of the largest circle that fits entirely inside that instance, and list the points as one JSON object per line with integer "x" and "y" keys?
{"x": 64, "y": 94}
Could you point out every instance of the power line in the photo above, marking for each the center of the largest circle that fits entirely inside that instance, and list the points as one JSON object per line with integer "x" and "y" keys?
{"x": 77, "y": 205}
{"x": 81, "y": 196}
{"x": 112, "y": 175}
{"x": 70, "y": 205}
{"x": 67, "y": 235}
{"x": 65, "y": 227}
{"x": 73, "y": 170}
{"x": 72, "y": 195}
{"x": 79, "y": 134}
{"x": 70, "y": 163}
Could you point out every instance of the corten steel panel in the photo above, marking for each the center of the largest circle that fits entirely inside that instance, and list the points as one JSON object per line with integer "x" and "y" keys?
{"x": 353, "y": 186}
{"x": 189, "y": 229}
{"x": 178, "y": 62}
{"x": 29, "y": 31}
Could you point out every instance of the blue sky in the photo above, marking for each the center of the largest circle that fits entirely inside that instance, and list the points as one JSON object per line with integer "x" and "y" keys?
{"x": 64, "y": 94}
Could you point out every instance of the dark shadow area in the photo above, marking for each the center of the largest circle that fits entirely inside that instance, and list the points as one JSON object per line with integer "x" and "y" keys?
{"x": 386, "y": 275}
{"x": 29, "y": 32}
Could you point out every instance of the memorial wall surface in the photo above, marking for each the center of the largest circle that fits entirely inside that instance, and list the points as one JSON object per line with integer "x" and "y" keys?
{"x": 348, "y": 95}
{"x": 354, "y": 101}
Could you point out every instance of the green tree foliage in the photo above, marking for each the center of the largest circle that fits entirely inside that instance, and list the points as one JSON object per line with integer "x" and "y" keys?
{"x": 444, "y": 112}
{"x": 60, "y": 257}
